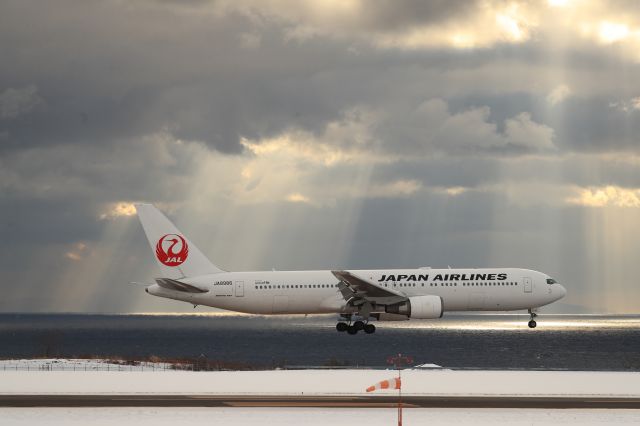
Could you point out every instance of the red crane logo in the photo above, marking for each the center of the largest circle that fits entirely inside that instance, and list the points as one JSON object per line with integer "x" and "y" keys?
{"x": 168, "y": 254}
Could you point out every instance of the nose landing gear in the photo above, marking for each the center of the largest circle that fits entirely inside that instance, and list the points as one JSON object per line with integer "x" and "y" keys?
{"x": 532, "y": 321}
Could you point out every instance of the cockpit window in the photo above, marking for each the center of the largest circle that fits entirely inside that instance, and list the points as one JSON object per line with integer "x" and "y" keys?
{"x": 551, "y": 281}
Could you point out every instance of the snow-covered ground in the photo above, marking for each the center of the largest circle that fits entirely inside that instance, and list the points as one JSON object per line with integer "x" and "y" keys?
{"x": 433, "y": 382}
{"x": 311, "y": 416}
{"x": 97, "y": 377}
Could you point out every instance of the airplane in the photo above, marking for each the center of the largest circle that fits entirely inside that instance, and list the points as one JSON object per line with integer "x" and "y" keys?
{"x": 357, "y": 296}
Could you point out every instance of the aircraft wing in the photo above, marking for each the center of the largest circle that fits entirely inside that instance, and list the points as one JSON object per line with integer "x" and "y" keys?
{"x": 354, "y": 288}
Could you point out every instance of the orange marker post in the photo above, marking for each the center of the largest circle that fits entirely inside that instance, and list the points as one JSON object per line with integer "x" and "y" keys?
{"x": 395, "y": 383}
{"x": 398, "y": 361}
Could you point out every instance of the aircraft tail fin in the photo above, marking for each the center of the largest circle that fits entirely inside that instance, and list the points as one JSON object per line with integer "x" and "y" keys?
{"x": 176, "y": 255}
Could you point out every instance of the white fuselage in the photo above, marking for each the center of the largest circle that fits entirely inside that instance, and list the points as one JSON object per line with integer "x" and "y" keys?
{"x": 315, "y": 292}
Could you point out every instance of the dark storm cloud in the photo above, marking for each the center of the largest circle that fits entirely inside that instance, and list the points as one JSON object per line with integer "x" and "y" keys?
{"x": 595, "y": 125}
{"x": 198, "y": 80}
{"x": 93, "y": 96}
{"x": 195, "y": 79}
{"x": 582, "y": 124}
{"x": 57, "y": 221}
{"x": 444, "y": 172}
{"x": 389, "y": 15}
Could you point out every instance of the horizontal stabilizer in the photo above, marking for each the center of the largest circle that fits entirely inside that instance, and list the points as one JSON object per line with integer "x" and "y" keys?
{"x": 141, "y": 284}
{"x": 170, "y": 284}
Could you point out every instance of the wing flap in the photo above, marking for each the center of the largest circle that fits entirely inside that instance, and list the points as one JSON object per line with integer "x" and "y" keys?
{"x": 358, "y": 288}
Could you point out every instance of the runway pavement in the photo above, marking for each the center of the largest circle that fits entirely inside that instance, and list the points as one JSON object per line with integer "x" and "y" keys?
{"x": 138, "y": 400}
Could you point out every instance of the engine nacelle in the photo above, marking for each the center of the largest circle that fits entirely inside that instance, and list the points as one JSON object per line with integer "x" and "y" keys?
{"x": 419, "y": 307}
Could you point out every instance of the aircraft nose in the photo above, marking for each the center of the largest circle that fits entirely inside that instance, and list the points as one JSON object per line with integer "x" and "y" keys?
{"x": 561, "y": 291}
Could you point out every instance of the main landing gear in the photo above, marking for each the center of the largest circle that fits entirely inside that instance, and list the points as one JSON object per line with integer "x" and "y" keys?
{"x": 532, "y": 321}
{"x": 355, "y": 327}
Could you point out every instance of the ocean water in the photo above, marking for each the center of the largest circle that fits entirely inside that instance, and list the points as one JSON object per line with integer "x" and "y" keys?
{"x": 478, "y": 341}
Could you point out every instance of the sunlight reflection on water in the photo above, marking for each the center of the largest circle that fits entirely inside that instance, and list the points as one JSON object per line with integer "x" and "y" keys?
{"x": 511, "y": 322}
{"x": 591, "y": 342}
{"x": 448, "y": 322}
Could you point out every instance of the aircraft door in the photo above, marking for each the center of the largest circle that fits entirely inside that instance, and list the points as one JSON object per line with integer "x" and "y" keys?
{"x": 527, "y": 284}
{"x": 239, "y": 288}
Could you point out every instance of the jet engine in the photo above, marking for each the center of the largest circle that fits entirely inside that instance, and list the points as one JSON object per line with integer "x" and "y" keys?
{"x": 418, "y": 307}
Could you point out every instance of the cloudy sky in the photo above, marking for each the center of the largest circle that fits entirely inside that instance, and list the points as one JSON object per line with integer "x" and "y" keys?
{"x": 315, "y": 135}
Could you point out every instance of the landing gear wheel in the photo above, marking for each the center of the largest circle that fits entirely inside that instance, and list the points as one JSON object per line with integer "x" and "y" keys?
{"x": 369, "y": 328}
{"x": 352, "y": 330}
{"x": 359, "y": 325}
{"x": 532, "y": 319}
{"x": 342, "y": 326}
